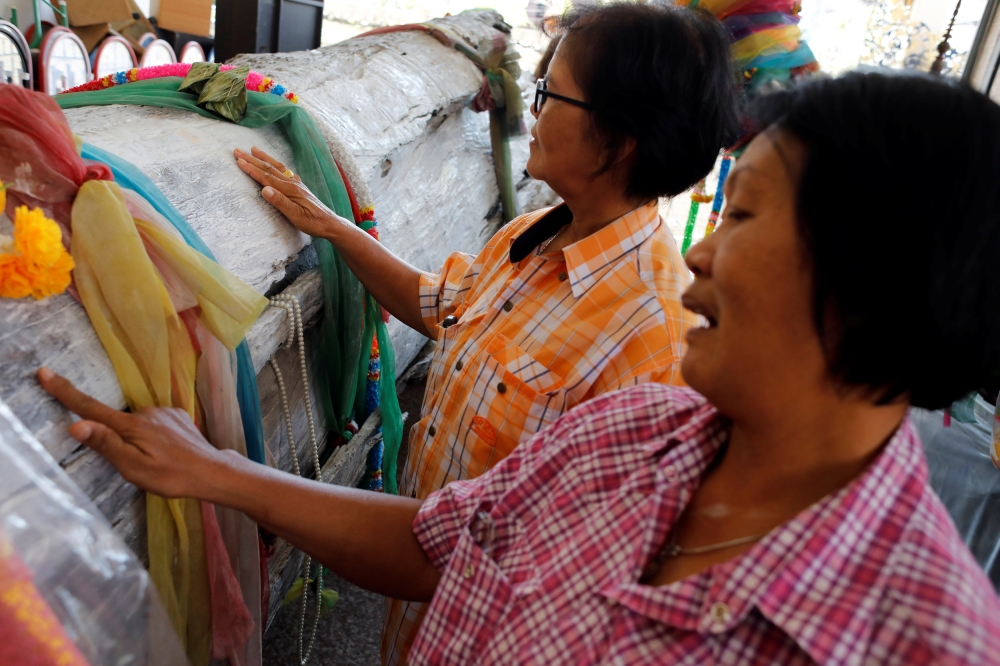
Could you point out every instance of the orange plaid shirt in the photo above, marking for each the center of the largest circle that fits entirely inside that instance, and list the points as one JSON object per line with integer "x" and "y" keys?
{"x": 523, "y": 337}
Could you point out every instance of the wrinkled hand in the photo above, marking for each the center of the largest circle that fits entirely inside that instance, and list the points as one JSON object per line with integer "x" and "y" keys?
{"x": 287, "y": 193}
{"x": 158, "y": 449}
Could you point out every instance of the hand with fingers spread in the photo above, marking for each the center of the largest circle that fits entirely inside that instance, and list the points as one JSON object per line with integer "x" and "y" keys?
{"x": 158, "y": 449}
{"x": 394, "y": 283}
{"x": 286, "y": 192}
{"x": 362, "y": 536}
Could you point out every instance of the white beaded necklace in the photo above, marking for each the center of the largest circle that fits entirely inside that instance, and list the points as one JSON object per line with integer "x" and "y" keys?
{"x": 296, "y": 333}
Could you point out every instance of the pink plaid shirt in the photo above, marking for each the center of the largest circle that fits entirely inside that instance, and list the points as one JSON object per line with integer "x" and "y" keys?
{"x": 541, "y": 557}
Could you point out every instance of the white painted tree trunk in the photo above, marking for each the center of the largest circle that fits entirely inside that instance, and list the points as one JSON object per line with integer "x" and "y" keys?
{"x": 397, "y": 103}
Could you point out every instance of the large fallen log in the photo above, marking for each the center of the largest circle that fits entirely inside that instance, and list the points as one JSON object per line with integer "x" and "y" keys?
{"x": 397, "y": 104}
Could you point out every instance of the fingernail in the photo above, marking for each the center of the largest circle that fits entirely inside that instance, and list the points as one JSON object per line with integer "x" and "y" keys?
{"x": 45, "y": 374}
{"x": 241, "y": 161}
{"x": 255, "y": 148}
{"x": 268, "y": 192}
{"x": 81, "y": 432}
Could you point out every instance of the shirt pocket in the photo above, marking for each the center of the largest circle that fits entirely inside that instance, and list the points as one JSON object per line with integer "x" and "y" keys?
{"x": 513, "y": 396}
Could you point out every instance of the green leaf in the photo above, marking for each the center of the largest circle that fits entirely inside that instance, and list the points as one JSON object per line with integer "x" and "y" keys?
{"x": 225, "y": 94}
{"x": 294, "y": 592}
{"x": 199, "y": 75}
{"x": 330, "y": 597}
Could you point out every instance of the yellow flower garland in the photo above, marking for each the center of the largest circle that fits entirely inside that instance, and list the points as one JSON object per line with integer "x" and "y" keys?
{"x": 39, "y": 265}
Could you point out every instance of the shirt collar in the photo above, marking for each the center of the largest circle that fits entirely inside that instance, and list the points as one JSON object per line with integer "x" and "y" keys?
{"x": 842, "y": 543}
{"x": 589, "y": 259}
{"x": 838, "y": 547}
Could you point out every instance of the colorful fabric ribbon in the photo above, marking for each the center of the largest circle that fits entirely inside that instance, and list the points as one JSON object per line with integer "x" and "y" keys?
{"x": 131, "y": 178}
{"x": 767, "y": 41}
{"x": 345, "y": 348}
{"x": 167, "y": 318}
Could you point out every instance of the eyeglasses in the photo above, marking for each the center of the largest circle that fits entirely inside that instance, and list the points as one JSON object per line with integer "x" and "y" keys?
{"x": 542, "y": 92}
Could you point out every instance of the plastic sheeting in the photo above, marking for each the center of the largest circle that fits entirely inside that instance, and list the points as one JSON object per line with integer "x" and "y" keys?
{"x": 88, "y": 578}
{"x": 964, "y": 477}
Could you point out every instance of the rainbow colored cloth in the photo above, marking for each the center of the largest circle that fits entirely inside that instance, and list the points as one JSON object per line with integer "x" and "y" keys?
{"x": 767, "y": 40}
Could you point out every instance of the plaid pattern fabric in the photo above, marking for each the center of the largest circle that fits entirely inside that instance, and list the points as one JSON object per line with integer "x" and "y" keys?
{"x": 541, "y": 557}
{"x": 535, "y": 336}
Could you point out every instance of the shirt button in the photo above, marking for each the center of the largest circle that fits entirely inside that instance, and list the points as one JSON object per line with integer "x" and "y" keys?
{"x": 501, "y": 388}
{"x": 449, "y": 321}
{"x": 432, "y": 431}
{"x": 719, "y": 612}
{"x": 508, "y": 306}
{"x": 562, "y": 277}
{"x": 671, "y": 472}
{"x": 469, "y": 572}
{"x": 458, "y": 366}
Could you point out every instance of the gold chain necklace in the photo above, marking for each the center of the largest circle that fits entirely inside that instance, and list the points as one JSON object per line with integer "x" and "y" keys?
{"x": 673, "y": 549}
{"x": 545, "y": 245}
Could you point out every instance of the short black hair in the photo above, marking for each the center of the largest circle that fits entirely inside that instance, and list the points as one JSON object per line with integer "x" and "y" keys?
{"x": 662, "y": 75}
{"x": 899, "y": 211}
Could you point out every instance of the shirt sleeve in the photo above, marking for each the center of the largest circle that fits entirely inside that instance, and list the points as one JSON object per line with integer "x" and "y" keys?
{"x": 447, "y": 512}
{"x": 441, "y": 293}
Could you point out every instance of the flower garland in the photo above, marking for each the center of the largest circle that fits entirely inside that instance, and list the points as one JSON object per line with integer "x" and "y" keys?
{"x": 33, "y": 262}
{"x": 255, "y": 81}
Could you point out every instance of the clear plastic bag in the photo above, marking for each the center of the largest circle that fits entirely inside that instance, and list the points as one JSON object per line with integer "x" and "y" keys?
{"x": 88, "y": 578}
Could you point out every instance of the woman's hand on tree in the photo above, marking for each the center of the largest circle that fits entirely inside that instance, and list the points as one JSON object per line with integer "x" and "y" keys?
{"x": 158, "y": 449}
{"x": 288, "y": 194}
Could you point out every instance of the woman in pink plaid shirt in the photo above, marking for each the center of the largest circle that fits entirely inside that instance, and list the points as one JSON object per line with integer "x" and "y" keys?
{"x": 780, "y": 515}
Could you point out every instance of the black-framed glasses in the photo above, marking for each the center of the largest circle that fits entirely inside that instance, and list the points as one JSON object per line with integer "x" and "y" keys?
{"x": 542, "y": 92}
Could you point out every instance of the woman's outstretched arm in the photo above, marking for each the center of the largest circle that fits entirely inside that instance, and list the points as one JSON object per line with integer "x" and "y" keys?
{"x": 394, "y": 283}
{"x": 362, "y": 536}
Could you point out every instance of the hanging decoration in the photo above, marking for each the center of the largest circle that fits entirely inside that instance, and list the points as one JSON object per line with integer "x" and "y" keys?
{"x": 713, "y": 218}
{"x": 769, "y": 51}
{"x": 698, "y": 197}
{"x": 767, "y": 42}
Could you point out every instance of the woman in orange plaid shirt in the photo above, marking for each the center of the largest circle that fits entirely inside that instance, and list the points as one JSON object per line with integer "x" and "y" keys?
{"x": 567, "y": 303}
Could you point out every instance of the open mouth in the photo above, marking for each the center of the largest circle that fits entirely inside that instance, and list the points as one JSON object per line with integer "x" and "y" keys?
{"x": 705, "y": 317}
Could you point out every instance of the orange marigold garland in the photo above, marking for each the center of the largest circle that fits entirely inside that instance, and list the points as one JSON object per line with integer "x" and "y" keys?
{"x": 34, "y": 262}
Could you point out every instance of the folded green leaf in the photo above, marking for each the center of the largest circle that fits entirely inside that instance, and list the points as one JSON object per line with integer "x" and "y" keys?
{"x": 330, "y": 597}
{"x": 225, "y": 94}
{"x": 198, "y": 76}
{"x": 294, "y": 592}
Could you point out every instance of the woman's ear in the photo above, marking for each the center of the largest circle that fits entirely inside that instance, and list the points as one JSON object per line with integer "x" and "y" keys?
{"x": 627, "y": 151}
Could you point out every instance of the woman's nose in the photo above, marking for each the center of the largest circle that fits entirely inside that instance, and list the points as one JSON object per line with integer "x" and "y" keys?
{"x": 699, "y": 257}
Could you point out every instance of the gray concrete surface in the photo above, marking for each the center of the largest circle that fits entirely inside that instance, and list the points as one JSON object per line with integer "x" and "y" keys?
{"x": 348, "y": 634}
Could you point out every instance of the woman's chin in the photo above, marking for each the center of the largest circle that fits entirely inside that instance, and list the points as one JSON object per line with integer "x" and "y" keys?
{"x": 533, "y": 166}
{"x": 696, "y": 371}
